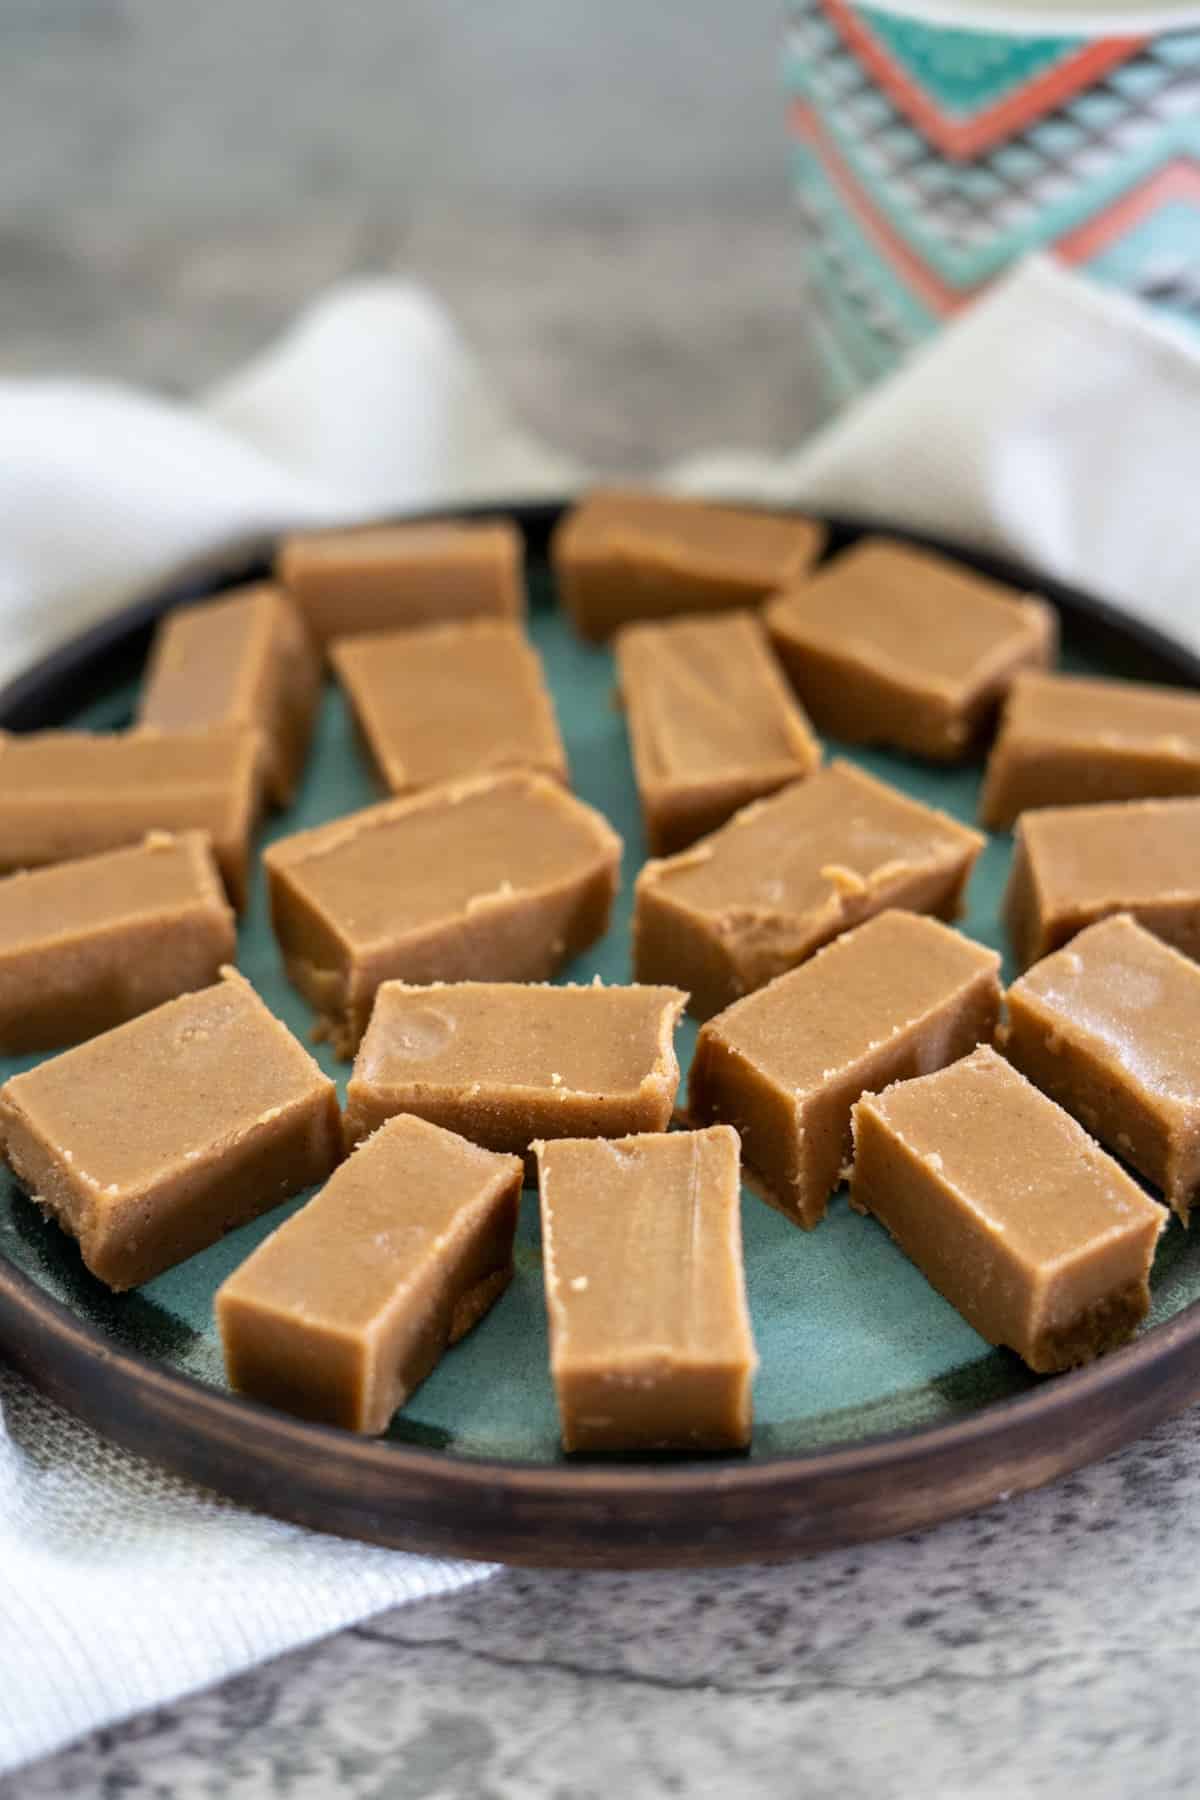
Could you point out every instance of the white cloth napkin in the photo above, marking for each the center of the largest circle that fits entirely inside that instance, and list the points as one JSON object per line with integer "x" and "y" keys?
{"x": 122, "y": 1587}
{"x": 1057, "y": 422}
{"x": 1054, "y": 422}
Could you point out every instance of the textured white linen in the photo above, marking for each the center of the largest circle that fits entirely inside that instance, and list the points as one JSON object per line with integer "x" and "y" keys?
{"x": 1057, "y": 422}
{"x": 122, "y": 1587}
{"x": 370, "y": 404}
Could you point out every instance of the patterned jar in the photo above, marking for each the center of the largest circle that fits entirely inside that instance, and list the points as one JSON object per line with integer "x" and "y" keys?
{"x": 928, "y": 156}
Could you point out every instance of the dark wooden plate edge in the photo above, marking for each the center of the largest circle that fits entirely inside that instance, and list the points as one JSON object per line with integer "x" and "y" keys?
{"x": 671, "y": 1514}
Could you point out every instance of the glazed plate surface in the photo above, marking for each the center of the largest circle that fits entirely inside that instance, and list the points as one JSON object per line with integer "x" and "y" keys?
{"x": 877, "y": 1407}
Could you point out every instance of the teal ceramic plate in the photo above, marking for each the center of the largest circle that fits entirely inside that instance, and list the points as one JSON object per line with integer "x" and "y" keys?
{"x": 877, "y": 1407}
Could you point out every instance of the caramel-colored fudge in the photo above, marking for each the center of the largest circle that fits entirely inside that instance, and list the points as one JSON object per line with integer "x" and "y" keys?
{"x": 349, "y": 1305}
{"x": 502, "y": 878}
{"x": 786, "y": 875}
{"x": 390, "y": 577}
{"x": 86, "y": 945}
{"x": 1008, "y": 1207}
{"x": 897, "y": 997}
{"x": 888, "y": 644}
{"x": 1110, "y": 1028}
{"x": 150, "y": 1142}
{"x": 65, "y": 794}
{"x": 623, "y": 555}
{"x": 246, "y": 659}
{"x": 452, "y": 700}
{"x": 504, "y": 1063}
{"x": 650, "y": 1343}
{"x": 1074, "y": 865}
{"x": 711, "y": 723}
{"x": 1066, "y": 740}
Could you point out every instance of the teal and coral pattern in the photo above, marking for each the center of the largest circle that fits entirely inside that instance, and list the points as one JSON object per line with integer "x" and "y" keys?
{"x": 928, "y": 157}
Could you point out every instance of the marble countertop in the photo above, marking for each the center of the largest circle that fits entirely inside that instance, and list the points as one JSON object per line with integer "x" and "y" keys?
{"x": 626, "y": 266}
{"x": 1043, "y": 1647}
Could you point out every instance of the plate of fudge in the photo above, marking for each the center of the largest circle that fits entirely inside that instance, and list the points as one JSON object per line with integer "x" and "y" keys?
{"x": 640, "y": 1033}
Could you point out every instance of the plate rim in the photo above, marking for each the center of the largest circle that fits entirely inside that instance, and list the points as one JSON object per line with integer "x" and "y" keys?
{"x": 600, "y": 1514}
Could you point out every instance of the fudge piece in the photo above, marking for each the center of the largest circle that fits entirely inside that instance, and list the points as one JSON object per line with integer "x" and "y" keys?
{"x": 245, "y": 659}
{"x": 650, "y": 1343}
{"x": 711, "y": 723}
{"x": 898, "y": 996}
{"x": 1067, "y": 739}
{"x": 889, "y": 644}
{"x": 388, "y": 577}
{"x": 451, "y": 700}
{"x": 71, "y": 793}
{"x": 622, "y": 555}
{"x": 1110, "y": 1028}
{"x": 502, "y": 878}
{"x": 1006, "y": 1205}
{"x": 506, "y": 1062}
{"x": 150, "y": 1142}
{"x": 1074, "y": 865}
{"x": 349, "y": 1304}
{"x": 86, "y": 945}
{"x": 786, "y": 875}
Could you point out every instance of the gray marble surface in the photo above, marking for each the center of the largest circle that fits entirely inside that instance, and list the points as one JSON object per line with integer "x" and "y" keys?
{"x": 1041, "y": 1648}
{"x": 600, "y": 193}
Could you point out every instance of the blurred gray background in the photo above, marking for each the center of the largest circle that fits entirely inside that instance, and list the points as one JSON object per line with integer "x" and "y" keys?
{"x": 598, "y": 188}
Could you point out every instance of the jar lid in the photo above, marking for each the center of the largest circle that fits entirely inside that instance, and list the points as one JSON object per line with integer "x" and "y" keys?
{"x": 1051, "y": 18}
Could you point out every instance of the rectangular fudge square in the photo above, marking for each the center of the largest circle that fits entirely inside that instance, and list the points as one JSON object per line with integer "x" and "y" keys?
{"x": 888, "y": 644}
{"x": 711, "y": 723}
{"x": 1008, "y": 1207}
{"x": 788, "y": 873}
{"x": 1110, "y": 1028}
{"x": 150, "y": 1142}
{"x": 245, "y": 659}
{"x": 633, "y": 554}
{"x": 451, "y": 700}
{"x": 650, "y": 1342}
{"x": 1074, "y": 865}
{"x": 503, "y": 878}
{"x": 504, "y": 1063}
{"x": 1067, "y": 740}
{"x": 390, "y": 577}
{"x": 86, "y": 945}
{"x": 346, "y": 1308}
{"x": 897, "y": 997}
{"x": 65, "y": 794}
